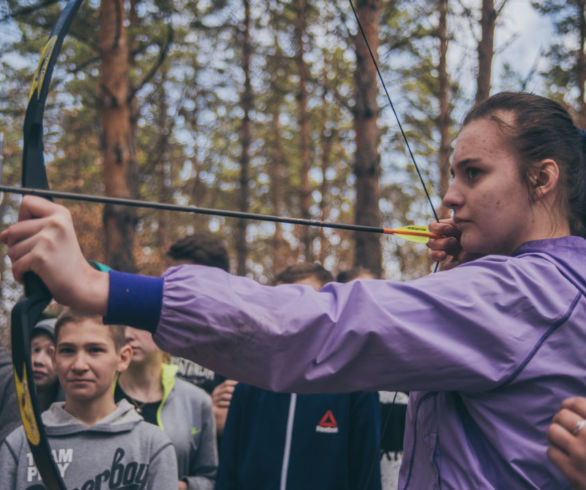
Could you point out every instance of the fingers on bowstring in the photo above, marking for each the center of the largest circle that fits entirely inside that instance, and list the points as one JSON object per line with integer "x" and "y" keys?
{"x": 445, "y": 227}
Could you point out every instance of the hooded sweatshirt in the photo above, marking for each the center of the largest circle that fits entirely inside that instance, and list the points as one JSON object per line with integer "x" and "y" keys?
{"x": 185, "y": 414}
{"x": 488, "y": 351}
{"x": 121, "y": 451}
{"x": 8, "y": 402}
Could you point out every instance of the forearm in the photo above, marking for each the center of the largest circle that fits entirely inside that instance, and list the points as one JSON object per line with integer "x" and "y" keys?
{"x": 364, "y": 335}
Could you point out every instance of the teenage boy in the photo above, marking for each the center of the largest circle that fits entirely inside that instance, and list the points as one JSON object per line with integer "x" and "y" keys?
{"x": 95, "y": 443}
{"x": 204, "y": 249}
{"x": 46, "y": 382}
{"x": 42, "y": 359}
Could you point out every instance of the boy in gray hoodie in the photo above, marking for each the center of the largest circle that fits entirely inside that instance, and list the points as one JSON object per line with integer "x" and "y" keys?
{"x": 96, "y": 443}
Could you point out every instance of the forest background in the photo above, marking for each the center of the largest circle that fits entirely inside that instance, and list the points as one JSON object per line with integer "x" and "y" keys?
{"x": 268, "y": 106}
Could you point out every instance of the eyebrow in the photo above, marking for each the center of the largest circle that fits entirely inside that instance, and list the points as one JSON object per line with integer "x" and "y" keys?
{"x": 462, "y": 163}
{"x": 87, "y": 344}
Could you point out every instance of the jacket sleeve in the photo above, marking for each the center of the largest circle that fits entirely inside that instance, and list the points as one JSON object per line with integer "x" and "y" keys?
{"x": 163, "y": 468}
{"x": 469, "y": 328}
{"x": 229, "y": 449}
{"x": 365, "y": 442}
{"x": 203, "y": 462}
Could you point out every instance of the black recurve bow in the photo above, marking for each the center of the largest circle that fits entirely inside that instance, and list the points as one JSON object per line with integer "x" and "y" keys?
{"x": 26, "y": 313}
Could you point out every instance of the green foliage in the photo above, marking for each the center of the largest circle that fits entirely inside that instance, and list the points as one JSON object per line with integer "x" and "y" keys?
{"x": 186, "y": 81}
{"x": 564, "y": 60}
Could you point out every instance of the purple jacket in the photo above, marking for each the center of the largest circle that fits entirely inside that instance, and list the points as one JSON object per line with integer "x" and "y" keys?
{"x": 490, "y": 349}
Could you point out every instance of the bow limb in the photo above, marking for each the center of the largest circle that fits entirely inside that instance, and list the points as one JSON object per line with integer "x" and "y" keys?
{"x": 26, "y": 313}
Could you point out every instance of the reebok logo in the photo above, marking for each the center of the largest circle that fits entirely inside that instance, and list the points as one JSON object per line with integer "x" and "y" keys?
{"x": 327, "y": 424}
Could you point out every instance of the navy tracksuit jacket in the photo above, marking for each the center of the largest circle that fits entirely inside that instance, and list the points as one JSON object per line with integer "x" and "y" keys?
{"x": 278, "y": 441}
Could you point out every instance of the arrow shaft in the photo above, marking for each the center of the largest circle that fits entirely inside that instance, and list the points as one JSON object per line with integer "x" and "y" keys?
{"x": 193, "y": 209}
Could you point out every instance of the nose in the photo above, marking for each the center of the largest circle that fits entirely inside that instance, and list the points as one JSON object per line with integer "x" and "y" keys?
{"x": 80, "y": 362}
{"x": 129, "y": 334}
{"x": 40, "y": 358}
{"x": 453, "y": 198}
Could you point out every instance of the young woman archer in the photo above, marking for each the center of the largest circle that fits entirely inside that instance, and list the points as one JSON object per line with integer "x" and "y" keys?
{"x": 488, "y": 349}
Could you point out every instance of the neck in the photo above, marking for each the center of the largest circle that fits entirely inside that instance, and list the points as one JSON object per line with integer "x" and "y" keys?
{"x": 90, "y": 413}
{"x": 46, "y": 396}
{"x": 142, "y": 380}
{"x": 545, "y": 225}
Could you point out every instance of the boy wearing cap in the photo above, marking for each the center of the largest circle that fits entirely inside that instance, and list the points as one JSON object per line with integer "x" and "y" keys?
{"x": 47, "y": 385}
{"x": 42, "y": 348}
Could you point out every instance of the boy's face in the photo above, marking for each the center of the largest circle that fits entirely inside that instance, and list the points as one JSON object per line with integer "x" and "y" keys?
{"x": 87, "y": 361}
{"x": 142, "y": 343}
{"x": 42, "y": 348}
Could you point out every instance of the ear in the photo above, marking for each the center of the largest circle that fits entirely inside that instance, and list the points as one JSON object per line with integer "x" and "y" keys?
{"x": 545, "y": 178}
{"x": 125, "y": 355}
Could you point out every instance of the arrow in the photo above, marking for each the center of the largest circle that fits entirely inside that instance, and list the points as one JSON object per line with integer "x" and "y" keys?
{"x": 413, "y": 233}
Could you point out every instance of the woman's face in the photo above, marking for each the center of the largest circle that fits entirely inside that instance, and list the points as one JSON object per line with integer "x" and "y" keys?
{"x": 490, "y": 203}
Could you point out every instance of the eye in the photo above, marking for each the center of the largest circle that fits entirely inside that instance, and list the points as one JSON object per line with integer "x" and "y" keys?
{"x": 96, "y": 350}
{"x": 472, "y": 173}
{"x": 64, "y": 350}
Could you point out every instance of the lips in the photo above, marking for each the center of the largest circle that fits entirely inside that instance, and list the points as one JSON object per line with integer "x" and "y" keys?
{"x": 80, "y": 381}
{"x": 460, "y": 222}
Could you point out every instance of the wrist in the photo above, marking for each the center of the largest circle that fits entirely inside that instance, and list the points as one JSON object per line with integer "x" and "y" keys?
{"x": 92, "y": 296}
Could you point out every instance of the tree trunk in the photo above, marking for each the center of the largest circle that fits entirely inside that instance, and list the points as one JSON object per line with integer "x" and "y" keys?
{"x": 367, "y": 252}
{"x": 581, "y": 64}
{"x": 162, "y": 165}
{"x": 119, "y": 174}
{"x": 485, "y": 50}
{"x": 245, "y": 138}
{"x": 276, "y": 172}
{"x": 304, "y": 128}
{"x": 444, "y": 108}
{"x": 325, "y": 146}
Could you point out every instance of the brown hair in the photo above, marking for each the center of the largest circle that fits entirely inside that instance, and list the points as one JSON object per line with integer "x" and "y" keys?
{"x": 202, "y": 249}
{"x": 298, "y": 272}
{"x": 354, "y": 273}
{"x": 543, "y": 129}
{"x": 73, "y": 316}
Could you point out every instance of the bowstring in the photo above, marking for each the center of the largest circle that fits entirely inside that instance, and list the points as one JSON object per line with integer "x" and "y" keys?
{"x": 382, "y": 81}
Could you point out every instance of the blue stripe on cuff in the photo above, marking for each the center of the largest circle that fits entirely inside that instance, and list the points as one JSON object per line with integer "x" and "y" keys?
{"x": 134, "y": 300}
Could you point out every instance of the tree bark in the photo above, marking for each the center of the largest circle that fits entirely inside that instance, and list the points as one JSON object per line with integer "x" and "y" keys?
{"x": 119, "y": 173}
{"x": 581, "y": 64}
{"x": 367, "y": 252}
{"x": 444, "y": 108}
{"x": 304, "y": 128}
{"x": 245, "y": 139}
{"x": 485, "y": 50}
{"x": 325, "y": 146}
{"x": 276, "y": 172}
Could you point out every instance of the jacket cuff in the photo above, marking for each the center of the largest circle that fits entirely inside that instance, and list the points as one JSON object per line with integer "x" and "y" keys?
{"x": 134, "y": 300}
